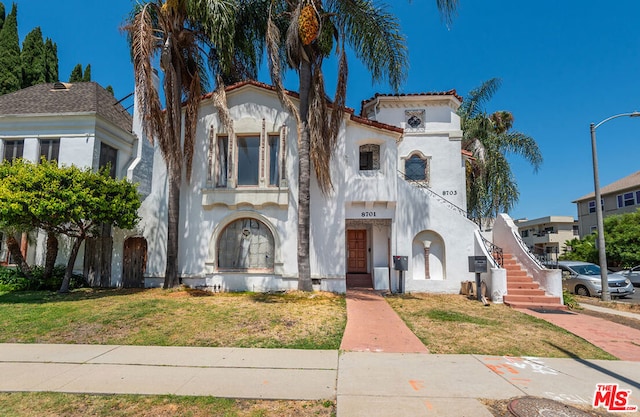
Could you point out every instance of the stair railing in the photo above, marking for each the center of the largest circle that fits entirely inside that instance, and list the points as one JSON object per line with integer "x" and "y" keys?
{"x": 432, "y": 194}
{"x": 526, "y": 249}
{"x": 496, "y": 252}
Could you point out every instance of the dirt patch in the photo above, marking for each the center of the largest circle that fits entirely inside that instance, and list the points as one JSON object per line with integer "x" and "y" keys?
{"x": 499, "y": 408}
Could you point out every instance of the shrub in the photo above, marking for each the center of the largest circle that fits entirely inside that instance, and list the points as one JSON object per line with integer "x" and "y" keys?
{"x": 54, "y": 283}
{"x": 569, "y": 300}
{"x": 12, "y": 279}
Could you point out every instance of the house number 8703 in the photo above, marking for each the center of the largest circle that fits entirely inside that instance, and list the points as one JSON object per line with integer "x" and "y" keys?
{"x": 450, "y": 192}
{"x": 368, "y": 214}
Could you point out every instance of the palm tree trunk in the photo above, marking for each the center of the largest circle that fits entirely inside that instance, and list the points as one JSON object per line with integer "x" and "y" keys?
{"x": 50, "y": 258}
{"x": 304, "y": 182}
{"x": 171, "y": 279}
{"x": 16, "y": 253}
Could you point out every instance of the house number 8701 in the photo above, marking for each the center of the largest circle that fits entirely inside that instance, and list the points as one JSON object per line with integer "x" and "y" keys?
{"x": 368, "y": 214}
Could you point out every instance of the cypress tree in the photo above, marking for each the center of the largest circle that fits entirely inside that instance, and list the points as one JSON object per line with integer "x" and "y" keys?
{"x": 10, "y": 68}
{"x": 50, "y": 61}
{"x": 2, "y": 15}
{"x": 76, "y": 74}
{"x": 33, "y": 59}
{"x": 87, "y": 73}
{"x": 110, "y": 90}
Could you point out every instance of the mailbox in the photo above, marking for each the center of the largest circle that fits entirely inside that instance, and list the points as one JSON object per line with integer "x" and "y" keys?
{"x": 477, "y": 264}
{"x": 401, "y": 263}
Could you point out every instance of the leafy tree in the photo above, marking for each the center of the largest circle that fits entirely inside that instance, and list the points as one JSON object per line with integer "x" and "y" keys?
{"x": 622, "y": 239}
{"x": 110, "y": 90}
{"x": 76, "y": 74}
{"x": 86, "y": 77}
{"x": 581, "y": 250}
{"x": 10, "y": 67}
{"x": 181, "y": 32}
{"x": 65, "y": 200}
{"x": 50, "y": 61}
{"x": 33, "y": 59}
{"x": 305, "y": 32}
{"x": 491, "y": 186}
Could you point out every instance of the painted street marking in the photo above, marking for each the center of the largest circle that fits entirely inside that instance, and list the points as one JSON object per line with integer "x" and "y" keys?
{"x": 417, "y": 385}
{"x": 567, "y": 398}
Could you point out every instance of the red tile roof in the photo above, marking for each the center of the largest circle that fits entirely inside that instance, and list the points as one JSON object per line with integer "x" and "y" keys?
{"x": 350, "y": 111}
{"x": 434, "y": 93}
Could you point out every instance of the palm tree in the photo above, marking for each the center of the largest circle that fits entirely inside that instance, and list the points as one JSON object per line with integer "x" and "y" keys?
{"x": 186, "y": 35}
{"x": 491, "y": 186}
{"x": 303, "y": 33}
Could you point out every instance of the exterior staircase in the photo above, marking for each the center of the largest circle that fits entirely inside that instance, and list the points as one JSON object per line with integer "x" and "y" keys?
{"x": 523, "y": 292}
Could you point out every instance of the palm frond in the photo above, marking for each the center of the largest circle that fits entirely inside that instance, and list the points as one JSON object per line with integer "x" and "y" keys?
{"x": 275, "y": 58}
{"x": 375, "y": 36}
{"x": 447, "y": 9}
{"x": 216, "y": 18}
{"x": 143, "y": 48}
{"x": 524, "y": 146}
{"x": 473, "y": 105}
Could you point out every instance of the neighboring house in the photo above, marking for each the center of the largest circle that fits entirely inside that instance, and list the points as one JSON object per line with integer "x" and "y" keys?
{"x": 77, "y": 124}
{"x": 622, "y": 196}
{"x": 398, "y": 190}
{"x": 546, "y": 236}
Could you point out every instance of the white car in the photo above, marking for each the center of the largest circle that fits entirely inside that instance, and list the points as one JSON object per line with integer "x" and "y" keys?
{"x": 632, "y": 275}
{"x": 583, "y": 278}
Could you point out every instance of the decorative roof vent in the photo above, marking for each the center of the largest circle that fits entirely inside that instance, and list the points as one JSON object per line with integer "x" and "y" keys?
{"x": 60, "y": 86}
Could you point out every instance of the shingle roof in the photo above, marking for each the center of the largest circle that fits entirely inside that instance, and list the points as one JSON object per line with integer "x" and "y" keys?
{"x": 631, "y": 181}
{"x": 87, "y": 97}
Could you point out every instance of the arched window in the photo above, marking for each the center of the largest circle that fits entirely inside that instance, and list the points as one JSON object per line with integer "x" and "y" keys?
{"x": 416, "y": 168}
{"x": 246, "y": 244}
{"x": 369, "y": 157}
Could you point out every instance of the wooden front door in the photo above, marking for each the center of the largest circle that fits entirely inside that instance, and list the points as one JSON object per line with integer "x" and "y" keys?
{"x": 135, "y": 262}
{"x": 357, "y": 251}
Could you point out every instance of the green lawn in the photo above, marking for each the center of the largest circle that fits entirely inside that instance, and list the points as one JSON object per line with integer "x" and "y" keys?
{"x": 174, "y": 318}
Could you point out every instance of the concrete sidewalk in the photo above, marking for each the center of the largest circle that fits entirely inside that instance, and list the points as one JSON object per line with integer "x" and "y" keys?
{"x": 377, "y": 372}
{"x": 364, "y": 383}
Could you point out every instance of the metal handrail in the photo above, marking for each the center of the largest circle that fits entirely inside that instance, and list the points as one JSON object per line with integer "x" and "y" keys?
{"x": 433, "y": 194}
{"x": 526, "y": 250}
{"x": 496, "y": 252}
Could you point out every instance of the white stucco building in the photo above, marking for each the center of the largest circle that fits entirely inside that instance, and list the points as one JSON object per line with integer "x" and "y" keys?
{"x": 78, "y": 124}
{"x": 399, "y": 190}
{"x": 398, "y": 176}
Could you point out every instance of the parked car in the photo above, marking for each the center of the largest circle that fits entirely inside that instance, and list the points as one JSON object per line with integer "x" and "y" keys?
{"x": 633, "y": 275}
{"x": 583, "y": 278}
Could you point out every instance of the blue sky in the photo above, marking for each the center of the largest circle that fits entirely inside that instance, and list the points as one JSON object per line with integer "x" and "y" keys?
{"x": 563, "y": 65}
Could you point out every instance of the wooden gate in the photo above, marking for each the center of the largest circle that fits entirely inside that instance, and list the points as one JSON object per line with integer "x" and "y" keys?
{"x": 97, "y": 261}
{"x": 134, "y": 263}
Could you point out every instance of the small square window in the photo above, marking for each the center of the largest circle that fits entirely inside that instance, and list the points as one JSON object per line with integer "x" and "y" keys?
{"x": 415, "y": 169}
{"x": 592, "y": 205}
{"x": 369, "y": 157}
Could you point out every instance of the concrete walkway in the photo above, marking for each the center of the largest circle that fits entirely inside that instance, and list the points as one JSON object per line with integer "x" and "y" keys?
{"x": 373, "y": 326}
{"x": 623, "y": 342}
{"x": 372, "y": 382}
